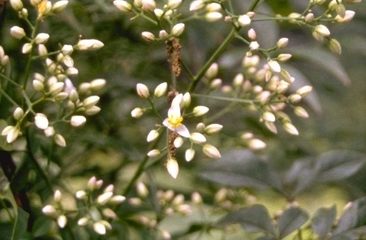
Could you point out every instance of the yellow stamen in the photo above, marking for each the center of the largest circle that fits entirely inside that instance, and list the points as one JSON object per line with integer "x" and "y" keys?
{"x": 175, "y": 121}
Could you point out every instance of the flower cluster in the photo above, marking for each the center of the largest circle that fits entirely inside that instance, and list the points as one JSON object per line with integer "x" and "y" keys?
{"x": 178, "y": 131}
{"x": 94, "y": 207}
{"x": 55, "y": 84}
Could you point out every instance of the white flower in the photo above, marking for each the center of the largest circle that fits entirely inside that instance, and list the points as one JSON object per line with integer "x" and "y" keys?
{"x": 174, "y": 120}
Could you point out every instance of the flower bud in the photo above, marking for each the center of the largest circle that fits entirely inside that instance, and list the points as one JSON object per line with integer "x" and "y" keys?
{"x": 304, "y": 91}
{"x": 178, "y": 142}
{"x": 153, "y": 134}
{"x": 42, "y": 50}
{"x": 174, "y": 4}
{"x": 283, "y": 57}
{"x": 153, "y": 153}
{"x": 99, "y": 228}
{"x": 252, "y": 34}
{"x": 92, "y": 110}
{"x": 18, "y": 113}
{"x": 186, "y": 100}
{"x": 117, "y": 199}
{"x": 301, "y": 112}
{"x": 72, "y": 71}
{"x": 213, "y": 128}
{"x": 160, "y": 90}
{"x": 90, "y": 101}
{"x": 41, "y": 38}
{"x": 57, "y": 87}
{"x": 213, "y": 16}
{"x": 163, "y": 34}
{"x": 27, "y": 47}
{"x": 17, "y": 32}
{"x": 57, "y": 196}
{"x": 59, "y": 6}
{"x": 109, "y": 213}
{"x": 178, "y": 29}
{"x": 67, "y": 49}
{"x": 148, "y": 36}
{"x": 335, "y": 46}
{"x": 322, "y": 30}
{"x": 83, "y": 221}
{"x": 142, "y": 190}
{"x": 244, "y": 20}
{"x": 60, "y": 140}
{"x": 215, "y": 84}
{"x": 294, "y": 98}
{"x": 148, "y": 5}
{"x": 189, "y": 154}
{"x": 197, "y": 138}
{"x": 172, "y": 167}
{"x": 4, "y": 60}
{"x": 274, "y": 66}
{"x": 254, "y": 45}
{"x": 142, "y": 91}
{"x": 61, "y": 221}
{"x": 290, "y": 128}
{"x": 49, "y": 210}
{"x": 200, "y": 110}
{"x": 77, "y": 120}
{"x": 104, "y": 198}
{"x": 349, "y": 14}
{"x": 89, "y": 44}
{"x": 268, "y": 116}
{"x": 282, "y": 42}
{"x": 97, "y": 84}
{"x": 256, "y": 144}
{"x": 50, "y": 131}
{"x": 137, "y": 112}
{"x": 17, "y": 5}
{"x": 41, "y": 121}
{"x": 212, "y": 71}
{"x": 211, "y": 151}
{"x": 196, "y": 5}
{"x": 122, "y": 5}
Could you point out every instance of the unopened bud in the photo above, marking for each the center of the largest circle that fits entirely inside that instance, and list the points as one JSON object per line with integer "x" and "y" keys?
{"x": 161, "y": 89}
{"x": 189, "y": 154}
{"x": 59, "y": 6}
{"x": 27, "y": 47}
{"x": 137, "y": 112}
{"x": 142, "y": 91}
{"x": 97, "y": 84}
{"x": 60, "y": 140}
{"x": 244, "y": 20}
{"x": 153, "y": 134}
{"x": 301, "y": 112}
{"x": 274, "y": 66}
{"x": 49, "y": 210}
{"x": 304, "y": 91}
{"x": 178, "y": 29}
{"x": 196, "y": 5}
{"x": 148, "y": 36}
{"x": 17, "y": 5}
{"x": 18, "y": 113}
{"x": 90, "y": 101}
{"x": 282, "y": 42}
{"x": 41, "y": 121}
{"x": 290, "y": 128}
{"x": 211, "y": 151}
{"x": 200, "y": 110}
{"x": 77, "y": 120}
{"x": 172, "y": 167}
{"x": 213, "y": 16}
{"x": 17, "y": 32}
{"x": 212, "y": 71}
{"x": 122, "y": 5}
{"x": 41, "y": 38}
{"x": 335, "y": 46}
{"x": 153, "y": 153}
{"x": 89, "y": 44}
{"x": 213, "y": 128}
{"x": 61, "y": 221}
{"x": 197, "y": 138}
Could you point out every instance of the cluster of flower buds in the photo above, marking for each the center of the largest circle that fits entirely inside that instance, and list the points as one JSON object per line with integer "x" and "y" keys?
{"x": 178, "y": 130}
{"x": 229, "y": 200}
{"x": 96, "y": 211}
{"x": 210, "y": 11}
{"x": 43, "y": 7}
{"x": 335, "y": 12}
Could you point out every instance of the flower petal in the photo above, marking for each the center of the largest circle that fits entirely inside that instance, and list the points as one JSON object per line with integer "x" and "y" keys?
{"x": 183, "y": 131}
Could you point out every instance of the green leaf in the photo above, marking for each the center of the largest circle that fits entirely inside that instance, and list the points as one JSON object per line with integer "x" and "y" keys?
{"x": 352, "y": 218}
{"x": 252, "y": 219}
{"x": 240, "y": 168}
{"x": 323, "y": 220}
{"x": 338, "y": 165}
{"x": 291, "y": 220}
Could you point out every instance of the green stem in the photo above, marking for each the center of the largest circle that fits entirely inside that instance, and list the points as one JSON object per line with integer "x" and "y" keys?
{"x": 212, "y": 59}
{"x": 9, "y": 80}
{"x": 253, "y": 5}
{"x": 8, "y": 97}
{"x": 36, "y": 164}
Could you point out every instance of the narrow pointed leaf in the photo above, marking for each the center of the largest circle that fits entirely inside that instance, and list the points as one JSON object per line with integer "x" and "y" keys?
{"x": 323, "y": 220}
{"x": 291, "y": 220}
{"x": 253, "y": 219}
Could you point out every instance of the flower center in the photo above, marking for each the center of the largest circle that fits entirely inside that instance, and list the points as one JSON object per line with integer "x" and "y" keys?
{"x": 175, "y": 121}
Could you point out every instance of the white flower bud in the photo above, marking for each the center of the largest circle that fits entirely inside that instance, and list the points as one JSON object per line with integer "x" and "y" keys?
{"x": 109, "y": 213}
{"x": 196, "y": 5}
{"x": 42, "y": 50}
{"x": 61, "y": 221}
{"x": 178, "y": 142}
{"x": 268, "y": 116}
{"x": 142, "y": 190}
{"x": 274, "y": 66}
{"x": 18, "y": 113}
{"x": 59, "y": 6}
{"x": 89, "y": 44}
{"x": 90, "y": 101}
{"x": 57, "y": 196}
{"x": 11, "y": 133}
{"x": 161, "y": 89}
{"x": 72, "y": 71}
{"x": 290, "y": 128}
{"x": 49, "y": 210}
{"x": 97, "y": 84}
{"x": 213, "y": 16}
{"x": 92, "y": 110}
{"x": 41, "y": 121}
{"x": 211, "y": 151}
{"x": 49, "y": 132}
{"x": 186, "y": 101}
{"x": 57, "y": 87}
{"x": 163, "y": 34}
{"x": 153, "y": 153}
{"x": 137, "y": 112}
{"x": 212, "y": 71}
{"x": 189, "y": 154}
{"x": 172, "y": 167}
{"x": 17, "y": 32}
{"x": 4, "y": 60}
{"x": 68, "y": 61}
{"x": 99, "y": 228}
{"x": 153, "y": 134}
{"x": 304, "y": 91}
{"x": 335, "y": 46}
{"x": 17, "y": 5}
{"x": 122, "y": 5}
{"x": 283, "y": 57}
{"x": 197, "y": 138}
{"x": 216, "y": 83}
{"x": 117, "y": 199}
{"x": 81, "y": 194}
{"x": 244, "y": 20}
{"x": 309, "y": 17}
{"x": 294, "y": 98}
{"x": 77, "y": 120}
{"x": 200, "y": 110}
{"x": 148, "y": 36}
{"x": 282, "y": 42}
{"x": 254, "y": 45}
{"x": 83, "y": 221}
{"x": 148, "y": 5}
{"x": 349, "y": 14}
{"x": 60, "y": 140}
{"x": 178, "y": 29}
{"x": 41, "y": 38}
{"x": 301, "y": 112}
{"x": 322, "y": 30}
{"x": 142, "y": 91}
{"x": 104, "y": 198}
{"x": 252, "y": 34}
{"x": 67, "y": 49}
{"x": 27, "y": 47}
{"x": 174, "y": 4}
{"x": 256, "y": 144}
{"x": 213, "y": 128}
